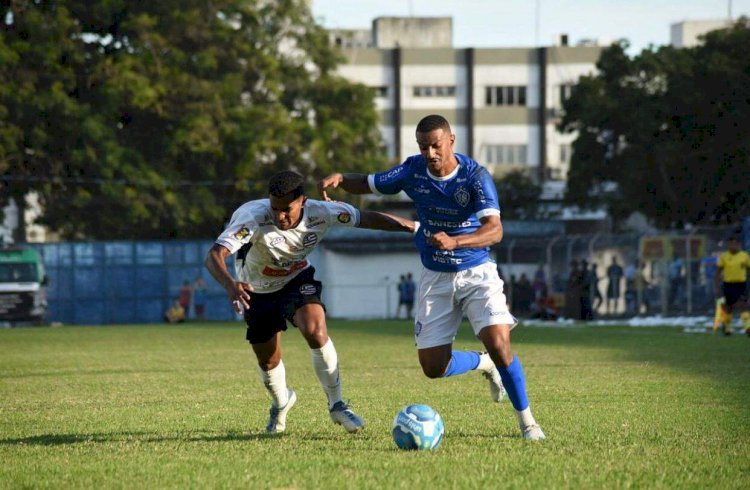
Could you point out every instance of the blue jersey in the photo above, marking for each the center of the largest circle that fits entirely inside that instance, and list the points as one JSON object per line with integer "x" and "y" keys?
{"x": 453, "y": 204}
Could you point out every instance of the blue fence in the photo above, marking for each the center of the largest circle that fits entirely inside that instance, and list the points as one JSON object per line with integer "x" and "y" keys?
{"x": 125, "y": 282}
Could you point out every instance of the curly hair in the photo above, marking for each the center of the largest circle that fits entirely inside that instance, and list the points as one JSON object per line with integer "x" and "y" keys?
{"x": 283, "y": 183}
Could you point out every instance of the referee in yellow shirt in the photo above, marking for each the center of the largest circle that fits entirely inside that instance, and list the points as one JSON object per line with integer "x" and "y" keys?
{"x": 733, "y": 266}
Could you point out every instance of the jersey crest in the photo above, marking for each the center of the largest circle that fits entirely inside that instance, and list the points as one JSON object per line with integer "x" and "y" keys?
{"x": 462, "y": 196}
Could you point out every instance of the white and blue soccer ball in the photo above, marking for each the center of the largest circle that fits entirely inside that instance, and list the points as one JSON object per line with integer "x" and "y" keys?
{"x": 418, "y": 427}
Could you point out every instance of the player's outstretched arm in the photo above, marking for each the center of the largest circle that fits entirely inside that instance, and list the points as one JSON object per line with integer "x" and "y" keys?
{"x": 351, "y": 183}
{"x": 375, "y": 220}
{"x": 238, "y": 292}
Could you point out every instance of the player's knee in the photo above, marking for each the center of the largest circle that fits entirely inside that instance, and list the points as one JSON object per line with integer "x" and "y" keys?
{"x": 433, "y": 370}
{"x": 315, "y": 334}
{"x": 270, "y": 363}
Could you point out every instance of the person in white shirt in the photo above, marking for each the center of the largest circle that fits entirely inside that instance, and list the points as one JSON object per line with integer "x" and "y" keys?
{"x": 276, "y": 284}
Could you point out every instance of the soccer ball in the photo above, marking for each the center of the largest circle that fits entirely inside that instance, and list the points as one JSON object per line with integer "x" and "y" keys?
{"x": 418, "y": 427}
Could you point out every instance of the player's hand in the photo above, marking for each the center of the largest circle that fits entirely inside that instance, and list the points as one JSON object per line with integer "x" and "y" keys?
{"x": 443, "y": 241}
{"x": 240, "y": 296}
{"x": 330, "y": 182}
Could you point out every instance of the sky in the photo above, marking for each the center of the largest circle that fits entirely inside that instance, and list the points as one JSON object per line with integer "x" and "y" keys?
{"x": 514, "y": 23}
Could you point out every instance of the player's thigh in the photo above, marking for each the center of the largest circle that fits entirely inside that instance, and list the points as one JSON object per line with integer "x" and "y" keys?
{"x": 480, "y": 293}
{"x": 437, "y": 317}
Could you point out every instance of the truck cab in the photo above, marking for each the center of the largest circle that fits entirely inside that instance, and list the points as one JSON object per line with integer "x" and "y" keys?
{"x": 23, "y": 291}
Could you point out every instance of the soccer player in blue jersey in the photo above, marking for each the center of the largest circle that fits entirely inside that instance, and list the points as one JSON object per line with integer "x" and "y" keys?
{"x": 459, "y": 211}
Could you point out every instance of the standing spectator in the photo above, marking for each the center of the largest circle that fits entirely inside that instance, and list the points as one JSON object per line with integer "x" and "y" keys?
{"x": 199, "y": 298}
{"x": 709, "y": 264}
{"x": 614, "y": 277}
{"x": 540, "y": 282}
{"x": 643, "y": 300}
{"x": 733, "y": 266}
{"x": 674, "y": 274}
{"x": 401, "y": 295}
{"x": 584, "y": 292}
{"x": 596, "y": 296}
{"x": 573, "y": 292}
{"x": 186, "y": 294}
{"x": 411, "y": 289}
{"x": 525, "y": 294}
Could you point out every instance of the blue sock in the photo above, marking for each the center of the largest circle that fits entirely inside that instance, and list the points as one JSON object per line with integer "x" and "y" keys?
{"x": 461, "y": 362}
{"x": 515, "y": 384}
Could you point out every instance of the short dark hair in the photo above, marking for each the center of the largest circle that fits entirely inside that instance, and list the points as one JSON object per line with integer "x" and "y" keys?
{"x": 433, "y": 122}
{"x": 286, "y": 182}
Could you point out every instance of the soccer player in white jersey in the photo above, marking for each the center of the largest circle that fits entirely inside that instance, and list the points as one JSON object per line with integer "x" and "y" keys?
{"x": 275, "y": 284}
{"x": 459, "y": 212}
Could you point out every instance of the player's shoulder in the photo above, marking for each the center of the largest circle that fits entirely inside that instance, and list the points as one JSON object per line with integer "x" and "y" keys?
{"x": 258, "y": 211}
{"x": 471, "y": 167}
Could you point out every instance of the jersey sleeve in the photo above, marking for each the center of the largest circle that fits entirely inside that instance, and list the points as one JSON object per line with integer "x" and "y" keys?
{"x": 722, "y": 261}
{"x": 389, "y": 181}
{"x": 239, "y": 232}
{"x": 341, "y": 213}
{"x": 484, "y": 195}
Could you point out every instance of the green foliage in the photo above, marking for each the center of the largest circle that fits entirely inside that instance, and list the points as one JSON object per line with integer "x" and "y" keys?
{"x": 668, "y": 128}
{"x": 161, "y": 406}
{"x": 157, "y": 119}
{"x": 519, "y": 196}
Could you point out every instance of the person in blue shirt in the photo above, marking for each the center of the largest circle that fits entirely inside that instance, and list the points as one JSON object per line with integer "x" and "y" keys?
{"x": 459, "y": 214}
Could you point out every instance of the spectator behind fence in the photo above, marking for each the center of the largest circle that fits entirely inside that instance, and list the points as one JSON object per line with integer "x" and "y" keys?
{"x": 175, "y": 313}
{"x": 674, "y": 273}
{"x": 614, "y": 277}
{"x": 709, "y": 264}
{"x": 186, "y": 293}
{"x": 540, "y": 282}
{"x": 585, "y": 293}
{"x": 596, "y": 296}
{"x": 573, "y": 292}
{"x": 199, "y": 298}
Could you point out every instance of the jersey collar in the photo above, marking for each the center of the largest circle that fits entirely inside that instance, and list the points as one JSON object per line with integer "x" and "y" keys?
{"x": 447, "y": 177}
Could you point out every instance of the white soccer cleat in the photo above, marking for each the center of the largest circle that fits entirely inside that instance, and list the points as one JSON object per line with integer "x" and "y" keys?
{"x": 277, "y": 416}
{"x": 489, "y": 371}
{"x": 532, "y": 432}
{"x": 342, "y": 415}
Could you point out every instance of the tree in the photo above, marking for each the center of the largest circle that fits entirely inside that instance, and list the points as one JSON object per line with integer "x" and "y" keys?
{"x": 519, "y": 195}
{"x": 664, "y": 132}
{"x": 156, "y": 119}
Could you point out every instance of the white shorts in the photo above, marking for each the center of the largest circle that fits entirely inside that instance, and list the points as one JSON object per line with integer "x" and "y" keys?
{"x": 445, "y": 297}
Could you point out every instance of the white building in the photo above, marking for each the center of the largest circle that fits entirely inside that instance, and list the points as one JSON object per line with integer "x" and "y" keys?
{"x": 685, "y": 34}
{"x": 503, "y": 103}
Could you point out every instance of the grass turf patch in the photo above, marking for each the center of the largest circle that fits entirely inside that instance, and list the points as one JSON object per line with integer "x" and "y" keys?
{"x": 175, "y": 406}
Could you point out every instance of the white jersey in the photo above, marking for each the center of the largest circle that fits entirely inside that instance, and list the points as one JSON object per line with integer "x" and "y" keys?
{"x": 276, "y": 256}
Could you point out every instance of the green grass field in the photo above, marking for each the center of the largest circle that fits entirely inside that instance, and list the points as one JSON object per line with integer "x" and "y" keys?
{"x": 181, "y": 406}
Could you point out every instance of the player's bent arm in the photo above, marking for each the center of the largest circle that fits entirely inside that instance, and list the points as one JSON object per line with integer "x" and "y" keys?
{"x": 375, "y": 220}
{"x": 216, "y": 264}
{"x": 490, "y": 233}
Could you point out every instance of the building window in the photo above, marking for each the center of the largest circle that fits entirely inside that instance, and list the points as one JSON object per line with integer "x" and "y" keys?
{"x": 380, "y": 91}
{"x": 505, "y": 95}
{"x": 506, "y": 154}
{"x": 566, "y": 90}
{"x": 434, "y": 90}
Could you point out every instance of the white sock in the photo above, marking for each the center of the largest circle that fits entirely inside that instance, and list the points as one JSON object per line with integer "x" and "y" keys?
{"x": 275, "y": 382}
{"x": 525, "y": 418}
{"x": 325, "y": 363}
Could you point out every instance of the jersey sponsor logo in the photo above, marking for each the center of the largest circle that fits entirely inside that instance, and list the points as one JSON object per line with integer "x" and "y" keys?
{"x": 420, "y": 176}
{"x": 417, "y": 328}
{"x": 344, "y": 217}
{"x": 276, "y": 240}
{"x": 460, "y": 180}
{"x": 448, "y": 224}
{"x": 462, "y": 196}
{"x": 243, "y": 233}
{"x": 315, "y": 221}
{"x": 422, "y": 190}
{"x": 442, "y": 259}
{"x": 479, "y": 192}
{"x": 309, "y": 240}
{"x": 270, "y": 271}
{"x": 307, "y": 289}
{"x": 263, "y": 220}
{"x": 439, "y": 210}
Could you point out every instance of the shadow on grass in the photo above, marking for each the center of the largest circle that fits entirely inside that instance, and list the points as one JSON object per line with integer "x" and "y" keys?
{"x": 141, "y": 437}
